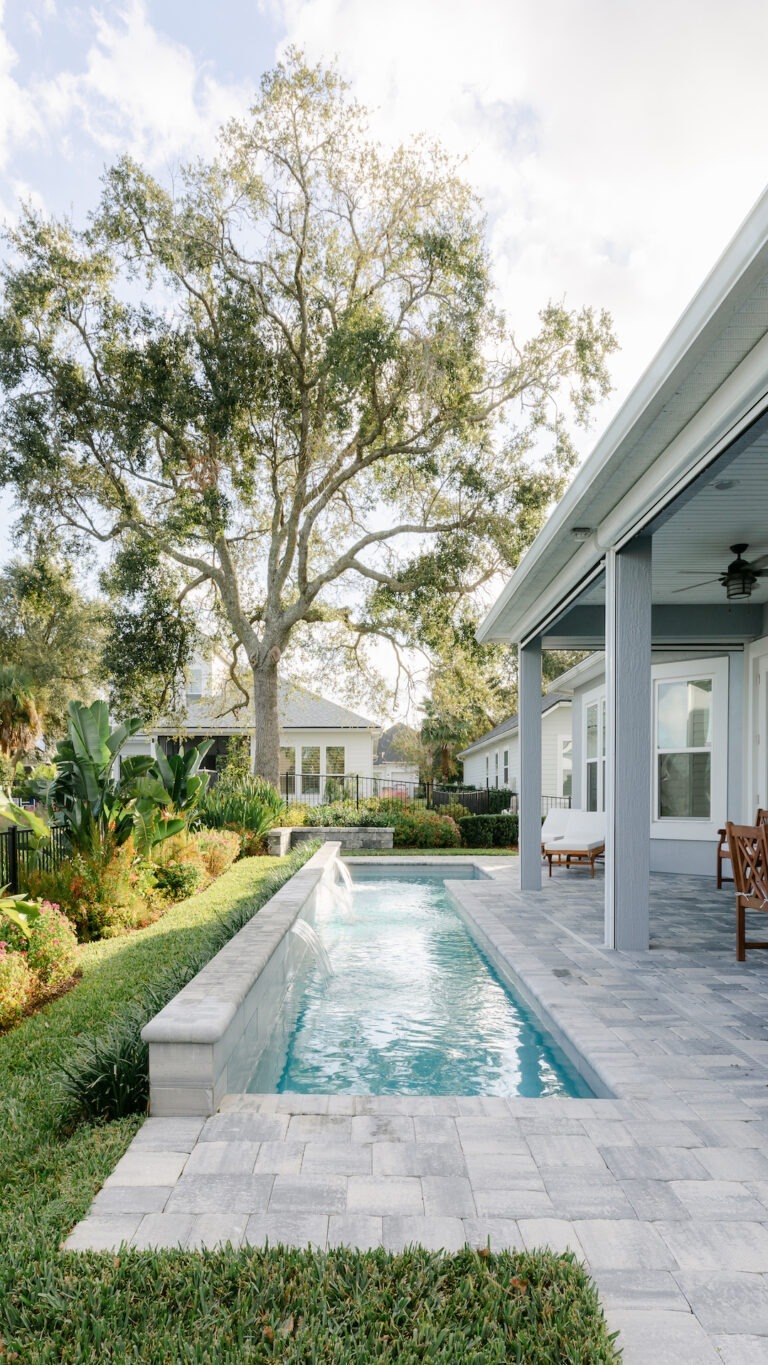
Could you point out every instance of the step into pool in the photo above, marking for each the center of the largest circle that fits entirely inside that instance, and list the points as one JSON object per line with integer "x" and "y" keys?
{"x": 400, "y": 1000}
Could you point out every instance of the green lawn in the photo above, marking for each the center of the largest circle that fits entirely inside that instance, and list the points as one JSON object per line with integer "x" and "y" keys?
{"x": 230, "y": 1306}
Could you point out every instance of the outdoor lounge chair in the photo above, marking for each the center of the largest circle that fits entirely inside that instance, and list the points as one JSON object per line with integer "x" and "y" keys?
{"x": 582, "y": 840}
{"x": 555, "y": 824}
{"x": 748, "y": 846}
{"x": 724, "y": 852}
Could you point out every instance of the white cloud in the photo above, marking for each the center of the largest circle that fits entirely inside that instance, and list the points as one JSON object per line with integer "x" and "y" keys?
{"x": 19, "y": 117}
{"x": 142, "y": 92}
{"x": 617, "y": 146}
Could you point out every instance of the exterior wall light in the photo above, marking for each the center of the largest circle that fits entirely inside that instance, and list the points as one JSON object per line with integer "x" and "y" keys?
{"x": 581, "y": 532}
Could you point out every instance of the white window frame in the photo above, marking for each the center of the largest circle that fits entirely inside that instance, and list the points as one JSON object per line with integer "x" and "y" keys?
{"x": 595, "y": 697}
{"x": 695, "y": 827}
{"x": 496, "y": 770}
{"x": 505, "y": 768}
{"x": 562, "y": 740}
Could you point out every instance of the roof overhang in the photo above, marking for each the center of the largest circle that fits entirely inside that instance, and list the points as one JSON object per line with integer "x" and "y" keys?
{"x": 704, "y": 390}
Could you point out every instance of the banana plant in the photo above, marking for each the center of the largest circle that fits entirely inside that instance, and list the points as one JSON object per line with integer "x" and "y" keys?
{"x": 181, "y": 777}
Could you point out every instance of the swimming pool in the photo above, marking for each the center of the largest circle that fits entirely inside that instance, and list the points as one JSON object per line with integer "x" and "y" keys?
{"x": 411, "y": 1005}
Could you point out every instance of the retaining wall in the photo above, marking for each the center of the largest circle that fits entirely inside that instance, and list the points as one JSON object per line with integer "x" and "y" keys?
{"x": 229, "y": 1008}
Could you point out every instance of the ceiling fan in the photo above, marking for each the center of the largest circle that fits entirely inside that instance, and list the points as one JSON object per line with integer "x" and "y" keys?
{"x": 739, "y": 579}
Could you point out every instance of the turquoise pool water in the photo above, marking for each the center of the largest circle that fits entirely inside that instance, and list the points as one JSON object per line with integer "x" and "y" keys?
{"x": 412, "y": 1007}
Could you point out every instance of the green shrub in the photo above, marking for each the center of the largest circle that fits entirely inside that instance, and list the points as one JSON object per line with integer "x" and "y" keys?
{"x": 177, "y": 880}
{"x": 424, "y": 829}
{"x": 52, "y": 947}
{"x": 488, "y": 831}
{"x": 499, "y": 799}
{"x": 505, "y": 831}
{"x": 294, "y": 816}
{"x": 248, "y": 805}
{"x": 17, "y": 985}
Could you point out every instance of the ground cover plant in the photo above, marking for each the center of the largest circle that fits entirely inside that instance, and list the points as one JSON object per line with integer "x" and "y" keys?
{"x": 344, "y": 1307}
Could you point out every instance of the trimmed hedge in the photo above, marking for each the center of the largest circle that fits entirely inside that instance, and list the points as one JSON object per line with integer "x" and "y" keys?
{"x": 424, "y": 829}
{"x": 488, "y": 831}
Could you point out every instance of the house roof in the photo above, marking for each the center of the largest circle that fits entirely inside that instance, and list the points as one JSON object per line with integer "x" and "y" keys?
{"x": 705, "y": 386}
{"x": 298, "y": 708}
{"x": 509, "y": 726}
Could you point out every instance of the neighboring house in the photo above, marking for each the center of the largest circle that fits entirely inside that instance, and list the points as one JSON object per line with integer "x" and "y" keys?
{"x": 320, "y": 741}
{"x": 392, "y": 772}
{"x": 657, "y": 556}
{"x": 494, "y": 759}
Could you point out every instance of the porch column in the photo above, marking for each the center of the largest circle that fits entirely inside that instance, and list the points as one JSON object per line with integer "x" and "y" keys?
{"x": 529, "y": 730}
{"x": 628, "y": 747}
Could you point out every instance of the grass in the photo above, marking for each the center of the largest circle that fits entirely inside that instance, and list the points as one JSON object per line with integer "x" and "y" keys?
{"x": 343, "y": 1307}
{"x": 430, "y": 852}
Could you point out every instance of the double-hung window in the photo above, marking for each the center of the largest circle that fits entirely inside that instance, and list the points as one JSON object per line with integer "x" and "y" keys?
{"x": 690, "y": 737}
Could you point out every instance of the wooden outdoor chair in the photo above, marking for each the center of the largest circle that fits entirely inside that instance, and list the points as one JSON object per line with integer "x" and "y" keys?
{"x": 748, "y": 846}
{"x": 723, "y": 851}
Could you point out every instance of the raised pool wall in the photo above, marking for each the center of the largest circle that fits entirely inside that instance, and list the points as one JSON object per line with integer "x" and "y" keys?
{"x": 230, "y": 1008}
{"x": 281, "y": 840}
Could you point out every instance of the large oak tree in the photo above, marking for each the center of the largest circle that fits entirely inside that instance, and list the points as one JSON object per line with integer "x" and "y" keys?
{"x": 283, "y": 381}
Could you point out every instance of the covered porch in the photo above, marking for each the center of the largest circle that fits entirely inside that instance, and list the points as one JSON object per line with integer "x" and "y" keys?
{"x": 656, "y": 560}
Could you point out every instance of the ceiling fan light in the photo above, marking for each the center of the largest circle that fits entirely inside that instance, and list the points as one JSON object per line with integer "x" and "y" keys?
{"x": 740, "y": 584}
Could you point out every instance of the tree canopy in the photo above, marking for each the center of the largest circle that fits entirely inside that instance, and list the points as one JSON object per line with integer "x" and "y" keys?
{"x": 282, "y": 384}
{"x": 50, "y": 637}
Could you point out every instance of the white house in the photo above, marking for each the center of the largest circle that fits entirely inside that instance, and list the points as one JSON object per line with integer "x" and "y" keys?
{"x": 493, "y": 760}
{"x": 320, "y": 741}
{"x": 657, "y": 557}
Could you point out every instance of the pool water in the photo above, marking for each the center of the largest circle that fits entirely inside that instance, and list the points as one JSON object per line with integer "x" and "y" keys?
{"x": 413, "y": 1007}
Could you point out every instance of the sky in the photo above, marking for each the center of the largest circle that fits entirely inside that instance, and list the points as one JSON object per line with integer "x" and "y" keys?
{"x": 617, "y": 145}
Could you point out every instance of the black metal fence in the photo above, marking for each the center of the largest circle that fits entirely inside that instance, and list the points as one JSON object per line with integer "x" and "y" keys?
{"x": 17, "y": 855}
{"x": 319, "y": 789}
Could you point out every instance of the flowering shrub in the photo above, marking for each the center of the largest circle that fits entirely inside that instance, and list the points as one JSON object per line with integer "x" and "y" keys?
{"x": 52, "y": 950}
{"x": 218, "y": 849}
{"x": 17, "y": 984}
{"x": 102, "y": 895}
{"x": 424, "y": 829}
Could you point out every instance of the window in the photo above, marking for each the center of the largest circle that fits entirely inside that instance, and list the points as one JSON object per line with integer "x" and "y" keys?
{"x": 594, "y": 748}
{"x": 496, "y": 772}
{"x": 684, "y": 749}
{"x": 195, "y": 681}
{"x": 506, "y": 769}
{"x": 310, "y": 769}
{"x": 487, "y": 768}
{"x": 334, "y": 760}
{"x": 287, "y": 770}
{"x": 565, "y": 766}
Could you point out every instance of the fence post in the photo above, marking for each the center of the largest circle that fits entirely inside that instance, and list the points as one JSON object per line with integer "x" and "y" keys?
{"x": 13, "y": 859}
{"x": 357, "y": 790}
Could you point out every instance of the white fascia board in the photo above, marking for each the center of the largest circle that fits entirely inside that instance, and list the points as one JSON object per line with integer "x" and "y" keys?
{"x": 742, "y": 263}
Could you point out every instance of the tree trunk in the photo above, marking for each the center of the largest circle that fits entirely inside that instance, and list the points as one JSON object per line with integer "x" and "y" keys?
{"x": 266, "y": 761}
{"x": 446, "y": 762}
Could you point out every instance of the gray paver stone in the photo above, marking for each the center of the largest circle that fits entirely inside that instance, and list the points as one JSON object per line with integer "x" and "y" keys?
{"x": 384, "y": 1195}
{"x": 287, "y": 1229}
{"x": 438, "y": 1234}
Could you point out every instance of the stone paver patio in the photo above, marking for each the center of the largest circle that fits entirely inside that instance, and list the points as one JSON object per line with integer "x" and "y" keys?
{"x": 662, "y": 1190}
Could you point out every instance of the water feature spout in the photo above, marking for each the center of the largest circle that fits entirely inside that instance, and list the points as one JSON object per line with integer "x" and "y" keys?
{"x": 342, "y": 872}
{"x": 309, "y": 935}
